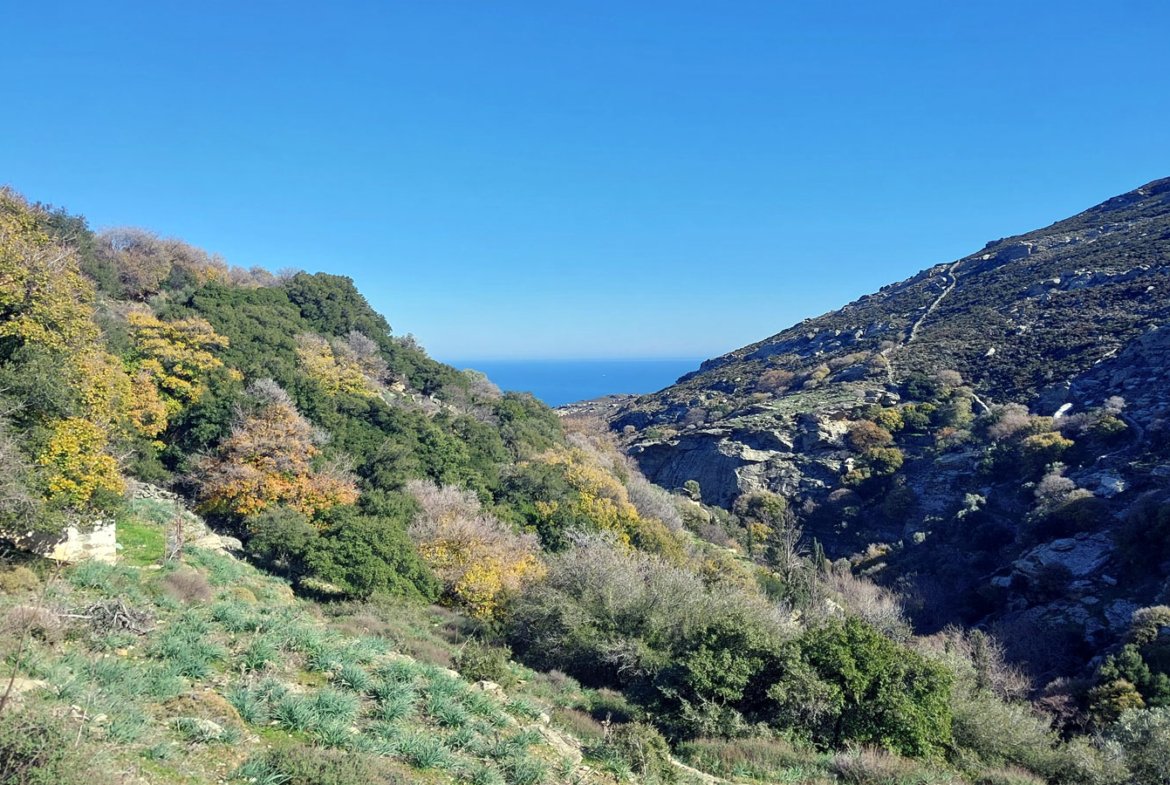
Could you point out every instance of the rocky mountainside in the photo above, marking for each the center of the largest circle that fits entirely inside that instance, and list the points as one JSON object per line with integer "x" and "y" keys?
{"x": 1061, "y": 331}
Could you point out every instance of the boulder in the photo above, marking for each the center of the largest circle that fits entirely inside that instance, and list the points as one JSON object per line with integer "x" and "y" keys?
{"x": 77, "y": 543}
{"x": 1083, "y": 555}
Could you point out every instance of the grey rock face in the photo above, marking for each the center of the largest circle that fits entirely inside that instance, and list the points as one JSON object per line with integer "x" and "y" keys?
{"x": 1083, "y": 555}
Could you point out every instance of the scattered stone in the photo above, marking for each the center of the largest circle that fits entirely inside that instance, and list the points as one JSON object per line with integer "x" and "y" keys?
{"x": 1119, "y": 614}
{"x": 490, "y": 687}
{"x": 564, "y": 745}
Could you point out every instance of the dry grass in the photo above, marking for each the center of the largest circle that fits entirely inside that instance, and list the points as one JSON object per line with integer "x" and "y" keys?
{"x": 18, "y": 580}
{"x": 579, "y": 724}
{"x": 41, "y": 623}
{"x": 876, "y": 767}
{"x": 187, "y": 586}
{"x": 761, "y": 759}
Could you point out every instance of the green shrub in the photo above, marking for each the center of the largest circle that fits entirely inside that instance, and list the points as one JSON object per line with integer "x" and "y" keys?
{"x": 643, "y": 749}
{"x": 1109, "y": 701}
{"x": 366, "y": 555}
{"x": 478, "y": 661}
{"x": 236, "y": 617}
{"x": 1039, "y": 451}
{"x": 478, "y": 773}
{"x": 250, "y": 704}
{"x": 877, "y": 692}
{"x": 446, "y": 712}
{"x": 18, "y": 580}
{"x": 1147, "y": 623}
{"x": 281, "y": 538}
{"x": 258, "y": 654}
{"x": 334, "y": 734}
{"x": 353, "y": 677}
{"x": 295, "y": 713}
{"x": 335, "y": 705}
{"x": 36, "y": 749}
{"x": 1144, "y": 737}
{"x": 424, "y": 751}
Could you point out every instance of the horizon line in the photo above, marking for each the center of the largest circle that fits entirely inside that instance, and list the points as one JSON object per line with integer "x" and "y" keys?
{"x": 571, "y": 359}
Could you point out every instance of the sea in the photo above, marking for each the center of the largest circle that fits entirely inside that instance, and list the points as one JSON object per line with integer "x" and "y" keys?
{"x": 558, "y": 382}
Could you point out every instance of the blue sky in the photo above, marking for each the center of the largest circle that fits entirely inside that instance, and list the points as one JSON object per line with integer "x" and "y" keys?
{"x": 603, "y": 179}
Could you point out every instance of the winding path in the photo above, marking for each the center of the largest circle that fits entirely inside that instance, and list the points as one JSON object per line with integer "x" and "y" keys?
{"x": 950, "y": 273}
{"x": 950, "y": 287}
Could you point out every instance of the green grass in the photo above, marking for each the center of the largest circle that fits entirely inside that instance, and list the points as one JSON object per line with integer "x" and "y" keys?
{"x": 142, "y": 543}
{"x": 273, "y": 675}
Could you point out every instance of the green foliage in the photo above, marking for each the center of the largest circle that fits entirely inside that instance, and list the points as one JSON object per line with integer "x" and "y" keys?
{"x": 1144, "y": 738}
{"x": 364, "y": 555}
{"x": 1041, "y": 450}
{"x": 879, "y": 693}
{"x": 478, "y": 661}
{"x": 260, "y": 324}
{"x": 36, "y": 749}
{"x": 331, "y": 305}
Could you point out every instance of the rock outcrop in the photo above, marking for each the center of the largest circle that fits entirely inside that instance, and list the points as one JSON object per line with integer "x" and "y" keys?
{"x": 93, "y": 540}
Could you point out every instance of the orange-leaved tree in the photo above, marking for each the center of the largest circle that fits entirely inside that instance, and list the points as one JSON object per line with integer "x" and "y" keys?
{"x": 267, "y": 461}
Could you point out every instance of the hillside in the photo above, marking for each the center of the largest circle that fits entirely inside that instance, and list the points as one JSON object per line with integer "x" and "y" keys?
{"x": 279, "y": 544}
{"x": 988, "y": 435}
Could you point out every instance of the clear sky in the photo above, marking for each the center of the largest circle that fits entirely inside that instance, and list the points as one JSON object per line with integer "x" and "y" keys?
{"x": 586, "y": 179}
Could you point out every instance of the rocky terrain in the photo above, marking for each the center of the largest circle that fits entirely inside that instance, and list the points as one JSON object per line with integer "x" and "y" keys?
{"x": 1069, "y": 321}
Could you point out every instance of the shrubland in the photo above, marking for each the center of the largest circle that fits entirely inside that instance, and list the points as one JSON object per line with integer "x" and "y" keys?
{"x": 399, "y": 517}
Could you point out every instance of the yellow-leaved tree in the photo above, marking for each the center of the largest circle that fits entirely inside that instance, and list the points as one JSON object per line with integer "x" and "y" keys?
{"x": 47, "y": 324}
{"x": 337, "y": 368}
{"x": 267, "y": 461}
{"x": 479, "y": 559}
{"x": 172, "y": 359}
{"x": 601, "y": 497}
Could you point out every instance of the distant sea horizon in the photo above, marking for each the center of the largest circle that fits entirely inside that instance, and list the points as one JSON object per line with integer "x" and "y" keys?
{"x": 557, "y": 382}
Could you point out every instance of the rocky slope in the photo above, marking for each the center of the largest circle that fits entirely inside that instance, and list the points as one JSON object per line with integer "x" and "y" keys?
{"x": 1069, "y": 321}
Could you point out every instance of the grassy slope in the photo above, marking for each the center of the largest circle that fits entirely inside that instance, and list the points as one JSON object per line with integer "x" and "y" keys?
{"x": 227, "y": 644}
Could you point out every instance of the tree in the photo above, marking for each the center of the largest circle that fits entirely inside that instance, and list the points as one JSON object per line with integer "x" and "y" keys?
{"x": 864, "y": 435}
{"x": 366, "y": 555}
{"x": 881, "y": 693}
{"x": 78, "y": 464}
{"x": 174, "y": 357}
{"x": 478, "y": 558}
{"x": 336, "y": 371}
{"x": 75, "y": 394}
{"x": 267, "y": 460}
{"x": 1041, "y": 450}
{"x": 145, "y": 263}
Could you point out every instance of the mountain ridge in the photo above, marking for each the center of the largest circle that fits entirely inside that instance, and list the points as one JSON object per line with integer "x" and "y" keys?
{"x": 880, "y": 421}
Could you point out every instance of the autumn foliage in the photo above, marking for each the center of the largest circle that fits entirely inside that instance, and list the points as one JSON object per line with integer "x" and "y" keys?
{"x": 478, "y": 558}
{"x": 267, "y": 461}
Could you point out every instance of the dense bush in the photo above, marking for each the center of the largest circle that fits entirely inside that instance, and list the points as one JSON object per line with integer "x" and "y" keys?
{"x": 365, "y": 555}
{"x": 714, "y": 660}
{"x": 479, "y": 661}
{"x": 878, "y": 692}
